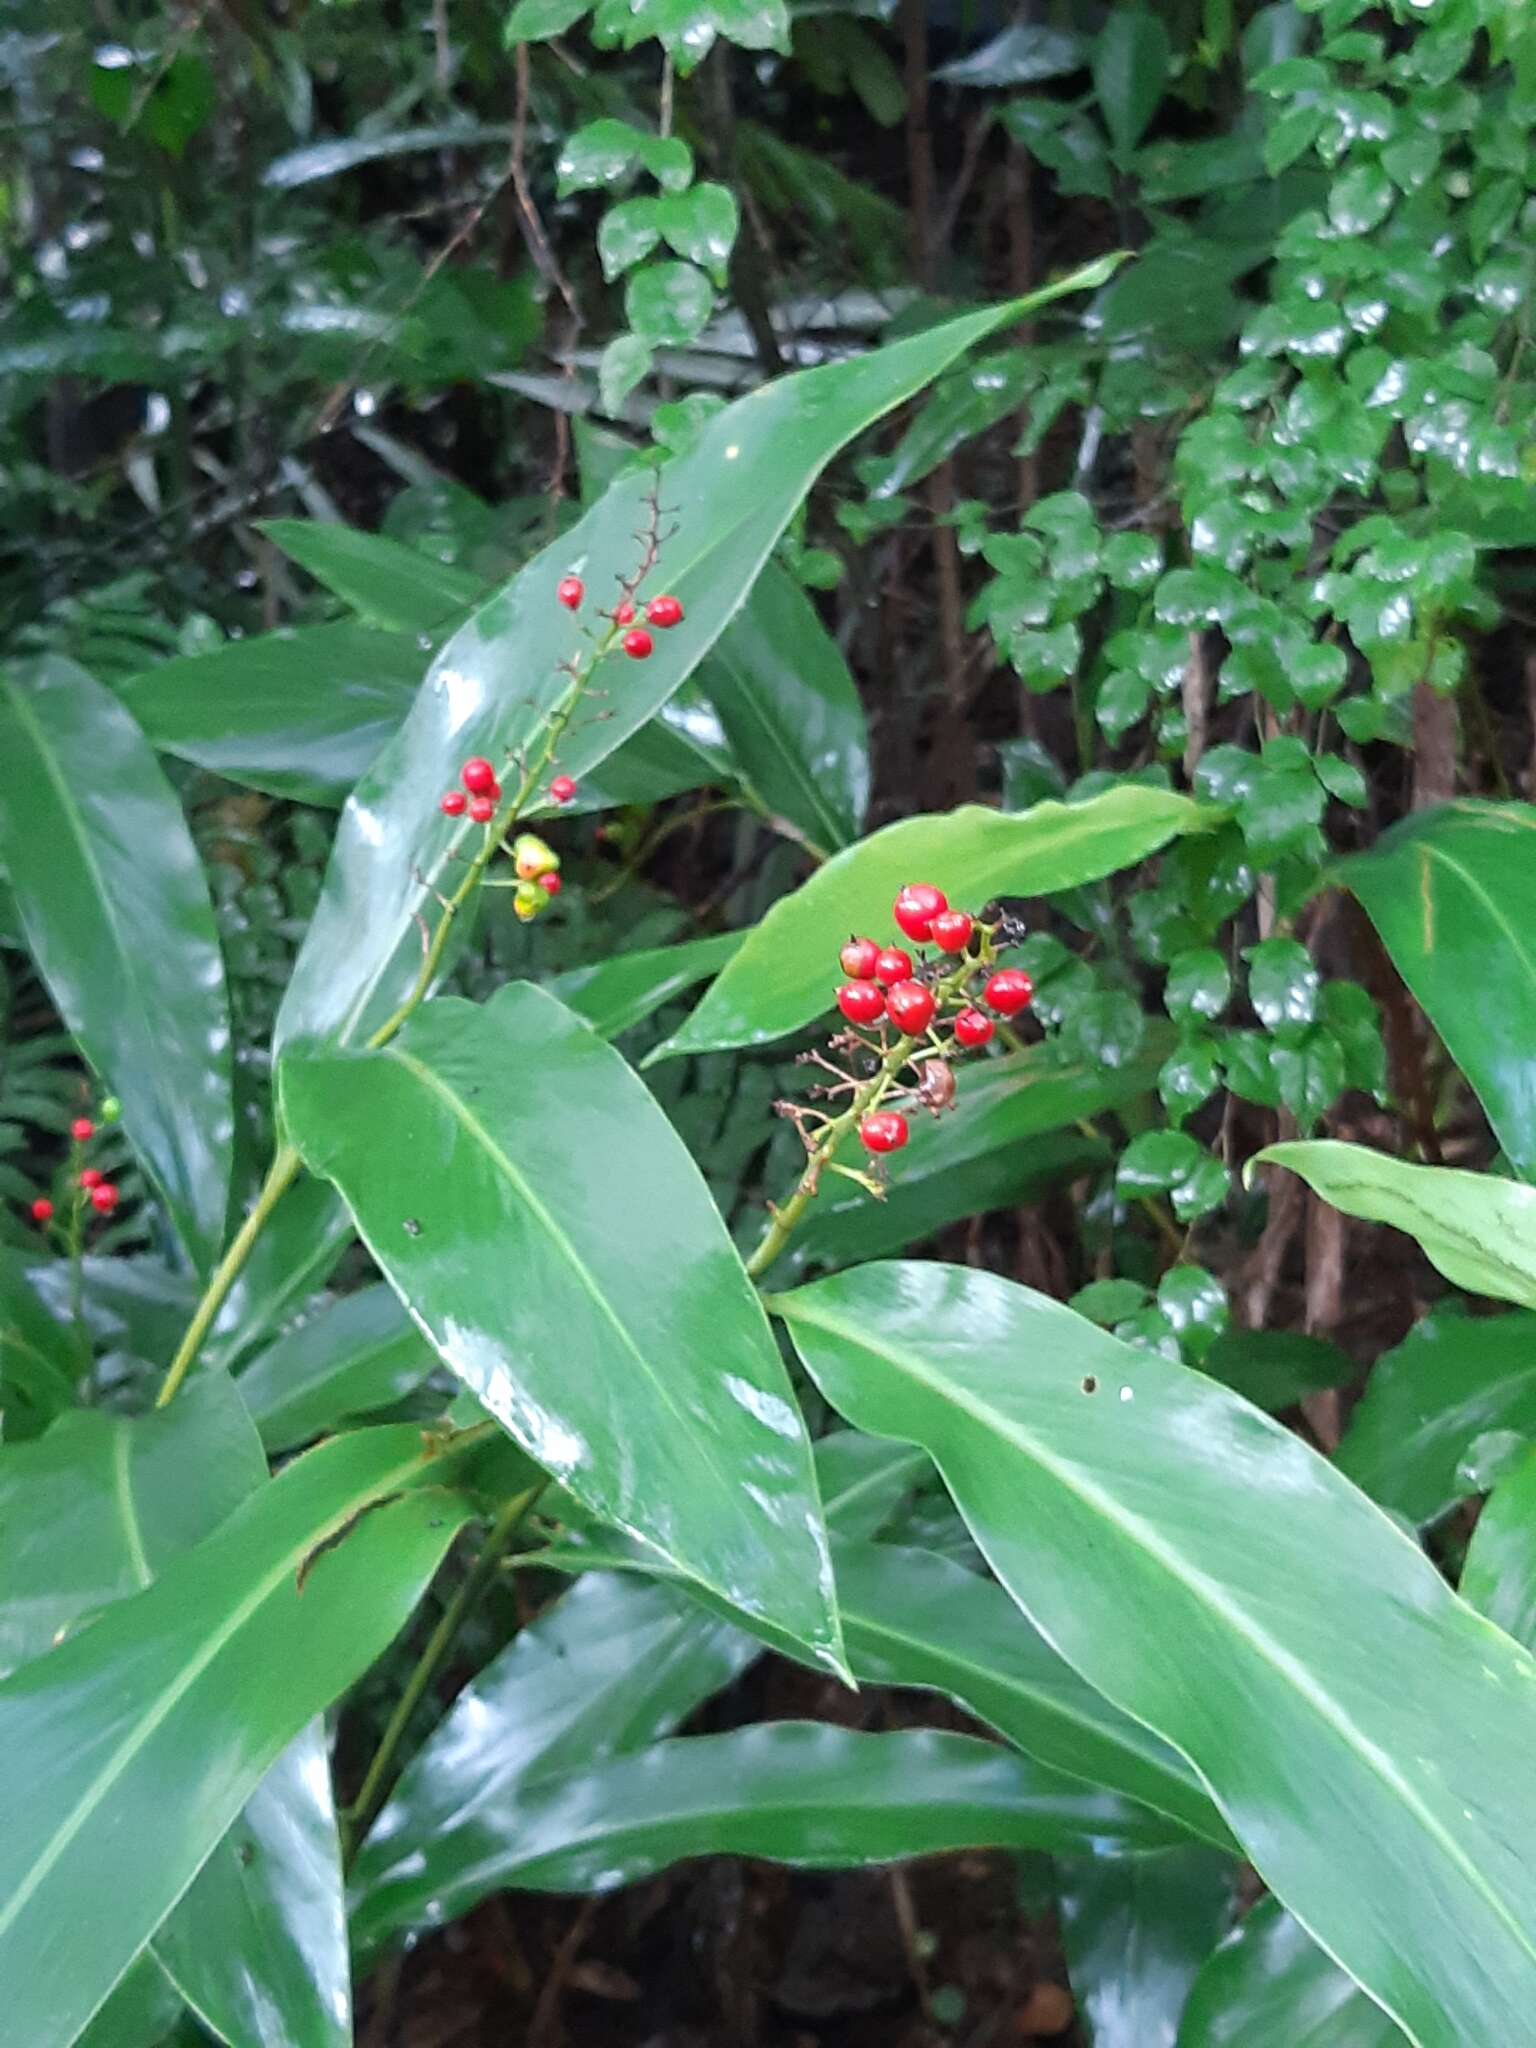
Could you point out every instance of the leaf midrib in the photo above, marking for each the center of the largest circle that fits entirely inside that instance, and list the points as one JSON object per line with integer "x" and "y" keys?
{"x": 1135, "y": 1529}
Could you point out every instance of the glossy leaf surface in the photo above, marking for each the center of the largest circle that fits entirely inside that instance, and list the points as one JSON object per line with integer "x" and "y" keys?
{"x": 355, "y": 1354}
{"x": 912, "y": 1618}
{"x": 1269, "y": 1985}
{"x": 1478, "y": 1230}
{"x": 1136, "y": 1930}
{"x": 1452, "y": 892}
{"x": 113, "y": 1797}
{"x": 1275, "y": 1369}
{"x": 794, "y": 1792}
{"x": 117, "y": 917}
{"x": 1453, "y": 1379}
{"x": 534, "y": 1208}
{"x": 1120, "y": 1498}
{"x": 1499, "y": 1576}
{"x": 298, "y": 712}
{"x": 791, "y": 712}
{"x": 786, "y": 972}
{"x": 494, "y": 684}
{"x": 625, "y": 989}
{"x": 397, "y": 587}
{"x": 1011, "y": 1135}
{"x": 40, "y": 1358}
{"x": 610, "y": 1666}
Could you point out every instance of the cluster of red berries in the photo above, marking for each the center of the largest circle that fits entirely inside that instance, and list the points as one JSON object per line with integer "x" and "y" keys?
{"x": 479, "y": 796}
{"x": 884, "y": 985}
{"x": 101, "y": 1193}
{"x": 636, "y": 642}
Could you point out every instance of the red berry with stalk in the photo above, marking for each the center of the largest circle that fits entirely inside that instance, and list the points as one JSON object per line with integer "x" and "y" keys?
{"x": 624, "y": 613}
{"x": 482, "y": 809}
{"x": 892, "y": 965}
{"x": 92, "y": 1177}
{"x": 478, "y": 776}
{"x": 664, "y": 611}
{"x": 81, "y": 1129}
{"x": 861, "y": 1002}
{"x": 916, "y": 908}
{"x": 561, "y": 790}
{"x": 570, "y": 591}
{"x": 41, "y": 1211}
{"x": 453, "y": 803}
{"x": 637, "y": 643}
{"x": 1008, "y": 992}
{"x": 104, "y": 1199}
{"x": 884, "y": 1130}
{"x": 952, "y": 930}
{"x": 973, "y": 1028}
{"x": 911, "y": 1007}
{"x": 858, "y": 959}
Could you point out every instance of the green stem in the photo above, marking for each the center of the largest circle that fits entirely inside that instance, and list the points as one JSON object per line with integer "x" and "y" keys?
{"x": 281, "y": 1175}
{"x": 359, "y": 1816}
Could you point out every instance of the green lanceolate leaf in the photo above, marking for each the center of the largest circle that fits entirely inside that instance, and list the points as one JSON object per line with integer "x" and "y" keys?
{"x": 626, "y": 988}
{"x": 113, "y": 1794}
{"x": 1136, "y": 1930}
{"x": 355, "y": 1354}
{"x": 493, "y": 687}
{"x": 1478, "y": 1230}
{"x": 609, "y": 1667}
{"x": 1452, "y": 892}
{"x": 532, "y": 1205}
{"x": 297, "y": 713}
{"x": 396, "y": 587}
{"x": 1453, "y": 1379}
{"x": 794, "y": 1792}
{"x": 786, "y": 972}
{"x": 1269, "y": 1985}
{"x": 1499, "y": 1576}
{"x": 117, "y": 917}
{"x": 1012, "y": 1134}
{"x": 911, "y": 1618}
{"x": 41, "y": 1360}
{"x": 1211, "y": 1575}
{"x": 1130, "y": 58}
{"x": 791, "y": 712}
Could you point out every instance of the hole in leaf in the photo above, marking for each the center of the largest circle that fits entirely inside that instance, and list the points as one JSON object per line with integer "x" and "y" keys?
{"x": 1090, "y": 1385}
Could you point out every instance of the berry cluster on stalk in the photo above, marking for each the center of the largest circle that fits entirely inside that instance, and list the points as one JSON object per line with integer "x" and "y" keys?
{"x": 90, "y": 1192}
{"x": 910, "y": 1016}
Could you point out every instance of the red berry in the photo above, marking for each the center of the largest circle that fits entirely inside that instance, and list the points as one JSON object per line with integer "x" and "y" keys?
{"x": 664, "y": 611}
{"x": 81, "y": 1129}
{"x": 857, "y": 959}
{"x": 637, "y": 643}
{"x": 1009, "y": 992}
{"x": 911, "y": 1007}
{"x": 42, "y": 1210}
{"x": 570, "y": 592}
{"x": 952, "y": 930}
{"x": 973, "y": 1029}
{"x": 883, "y": 1131}
{"x": 550, "y": 883}
{"x": 482, "y": 809}
{"x": 916, "y": 908}
{"x": 453, "y": 804}
{"x": 624, "y": 614}
{"x": 892, "y": 965}
{"x": 104, "y": 1198}
{"x": 478, "y": 776}
{"x": 561, "y": 790}
{"x": 92, "y": 1177}
{"x": 860, "y": 1002}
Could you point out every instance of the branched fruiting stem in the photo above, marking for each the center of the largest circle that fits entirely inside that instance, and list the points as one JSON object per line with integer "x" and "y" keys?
{"x": 286, "y": 1163}
{"x": 867, "y": 1096}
